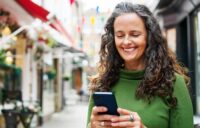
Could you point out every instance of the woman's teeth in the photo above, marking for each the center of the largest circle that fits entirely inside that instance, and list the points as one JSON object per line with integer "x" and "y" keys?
{"x": 129, "y": 49}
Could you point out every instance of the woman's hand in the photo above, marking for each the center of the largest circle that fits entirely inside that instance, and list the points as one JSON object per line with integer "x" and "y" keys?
{"x": 127, "y": 119}
{"x": 100, "y": 120}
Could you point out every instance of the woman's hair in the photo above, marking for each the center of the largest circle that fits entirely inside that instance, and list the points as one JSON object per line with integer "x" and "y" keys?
{"x": 160, "y": 61}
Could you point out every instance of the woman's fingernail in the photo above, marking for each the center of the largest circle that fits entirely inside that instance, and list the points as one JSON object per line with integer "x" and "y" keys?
{"x": 113, "y": 120}
{"x": 119, "y": 109}
{"x": 113, "y": 124}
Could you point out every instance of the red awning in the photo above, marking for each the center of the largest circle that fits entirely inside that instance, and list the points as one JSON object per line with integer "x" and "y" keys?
{"x": 41, "y": 13}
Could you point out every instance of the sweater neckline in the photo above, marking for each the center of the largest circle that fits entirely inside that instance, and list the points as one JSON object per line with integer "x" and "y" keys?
{"x": 128, "y": 74}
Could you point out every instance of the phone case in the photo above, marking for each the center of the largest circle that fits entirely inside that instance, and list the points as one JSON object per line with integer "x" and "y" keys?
{"x": 108, "y": 100}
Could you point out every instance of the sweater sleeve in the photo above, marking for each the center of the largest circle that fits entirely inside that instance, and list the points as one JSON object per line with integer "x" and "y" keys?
{"x": 182, "y": 115}
{"x": 91, "y": 105}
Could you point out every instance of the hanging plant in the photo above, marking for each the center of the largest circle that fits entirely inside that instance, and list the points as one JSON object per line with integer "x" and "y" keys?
{"x": 39, "y": 50}
{"x": 51, "y": 42}
{"x": 29, "y": 44}
{"x": 2, "y": 56}
{"x": 66, "y": 77}
{"x": 51, "y": 74}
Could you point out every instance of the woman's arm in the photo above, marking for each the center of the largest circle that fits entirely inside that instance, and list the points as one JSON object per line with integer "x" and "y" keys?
{"x": 91, "y": 105}
{"x": 182, "y": 115}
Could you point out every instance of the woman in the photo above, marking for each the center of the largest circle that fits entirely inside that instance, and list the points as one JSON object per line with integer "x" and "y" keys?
{"x": 137, "y": 65}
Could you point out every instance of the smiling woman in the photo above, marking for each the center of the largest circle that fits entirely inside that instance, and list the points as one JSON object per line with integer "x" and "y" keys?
{"x": 137, "y": 65}
{"x": 130, "y": 40}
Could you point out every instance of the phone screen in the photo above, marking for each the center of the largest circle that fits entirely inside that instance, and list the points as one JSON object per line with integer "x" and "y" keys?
{"x": 106, "y": 99}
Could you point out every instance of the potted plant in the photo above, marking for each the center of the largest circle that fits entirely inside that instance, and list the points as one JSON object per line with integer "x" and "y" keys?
{"x": 66, "y": 78}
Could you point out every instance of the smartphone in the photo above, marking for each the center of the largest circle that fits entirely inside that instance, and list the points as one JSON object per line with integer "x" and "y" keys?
{"x": 106, "y": 99}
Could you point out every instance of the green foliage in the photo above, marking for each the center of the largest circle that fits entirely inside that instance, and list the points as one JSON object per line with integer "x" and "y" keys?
{"x": 51, "y": 74}
{"x": 2, "y": 55}
{"x": 66, "y": 78}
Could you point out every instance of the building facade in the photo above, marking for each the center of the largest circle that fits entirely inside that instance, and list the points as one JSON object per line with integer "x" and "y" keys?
{"x": 181, "y": 22}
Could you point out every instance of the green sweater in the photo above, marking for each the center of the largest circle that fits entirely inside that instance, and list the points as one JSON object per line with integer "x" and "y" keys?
{"x": 157, "y": 114}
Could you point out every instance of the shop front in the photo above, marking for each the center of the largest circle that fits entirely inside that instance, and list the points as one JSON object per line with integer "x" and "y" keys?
{"x": 181, "y": 22}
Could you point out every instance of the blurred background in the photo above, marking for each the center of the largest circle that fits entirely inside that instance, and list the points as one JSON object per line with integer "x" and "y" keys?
{"x": 48, "y": 48}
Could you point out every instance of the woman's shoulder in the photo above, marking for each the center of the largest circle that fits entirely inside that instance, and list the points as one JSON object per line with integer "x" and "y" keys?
{"x": 179, "y": 78}
{"x": 180, "y": 84}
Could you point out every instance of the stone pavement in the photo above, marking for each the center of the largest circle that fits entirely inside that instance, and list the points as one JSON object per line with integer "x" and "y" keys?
{"x": 73, "y": 116}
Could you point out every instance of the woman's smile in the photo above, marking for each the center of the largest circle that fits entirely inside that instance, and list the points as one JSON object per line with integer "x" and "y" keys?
{"x": 129, "y": 50}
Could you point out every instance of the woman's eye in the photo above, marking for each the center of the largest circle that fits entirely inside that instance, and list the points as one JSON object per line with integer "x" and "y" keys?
{"x": 135, "y": 35}
{"x": 120, "y": 36}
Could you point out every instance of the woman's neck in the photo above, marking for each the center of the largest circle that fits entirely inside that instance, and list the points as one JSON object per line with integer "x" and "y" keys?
{"x": 134, "y": 66}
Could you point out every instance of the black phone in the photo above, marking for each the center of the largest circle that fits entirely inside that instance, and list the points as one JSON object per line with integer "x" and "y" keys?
{"x": 106, "y": 99}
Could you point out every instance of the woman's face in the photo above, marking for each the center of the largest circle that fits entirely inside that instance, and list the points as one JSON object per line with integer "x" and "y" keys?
{"x": 130, "y": 38}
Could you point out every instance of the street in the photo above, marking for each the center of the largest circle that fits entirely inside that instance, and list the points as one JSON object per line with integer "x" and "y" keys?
{"x": 73, "y": 116}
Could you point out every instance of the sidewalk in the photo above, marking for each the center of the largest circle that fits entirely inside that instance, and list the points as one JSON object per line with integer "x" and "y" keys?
{"x": 73, "y": 116}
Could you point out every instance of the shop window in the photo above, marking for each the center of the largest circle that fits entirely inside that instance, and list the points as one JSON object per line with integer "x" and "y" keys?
{"x": 171, "y": 38}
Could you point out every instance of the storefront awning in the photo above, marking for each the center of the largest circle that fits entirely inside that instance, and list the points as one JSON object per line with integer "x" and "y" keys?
{"x": 16, "y": 12}
{"x": 41, "y": 13}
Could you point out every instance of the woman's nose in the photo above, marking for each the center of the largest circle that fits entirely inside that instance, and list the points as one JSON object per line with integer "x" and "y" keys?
{"x": 126, "y": 40}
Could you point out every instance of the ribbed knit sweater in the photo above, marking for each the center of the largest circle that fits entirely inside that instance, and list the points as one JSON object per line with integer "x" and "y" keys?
{"x": 157, "y": 113}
